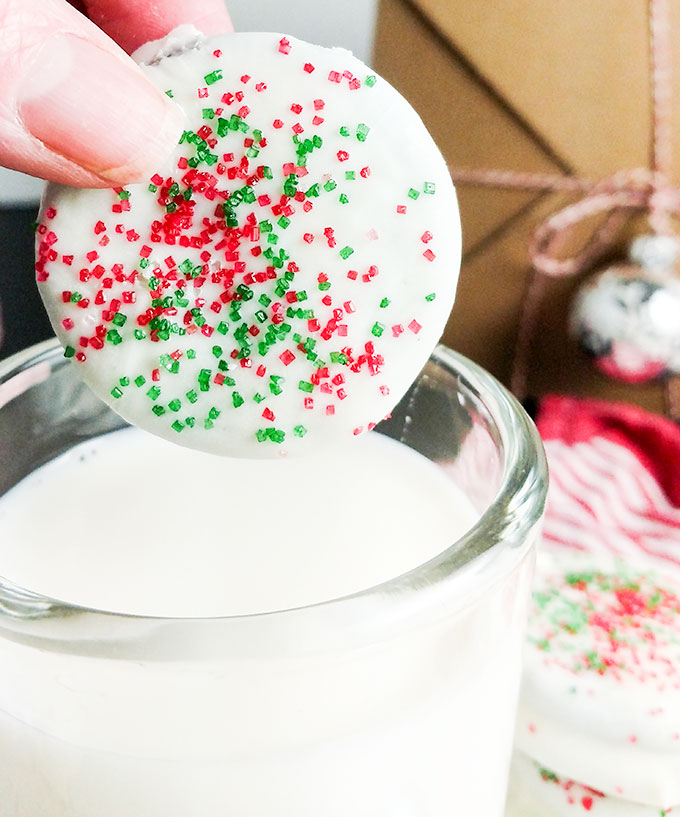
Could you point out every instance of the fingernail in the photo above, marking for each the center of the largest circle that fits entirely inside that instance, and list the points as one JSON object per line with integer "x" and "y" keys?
{"x": 93, "y": 108}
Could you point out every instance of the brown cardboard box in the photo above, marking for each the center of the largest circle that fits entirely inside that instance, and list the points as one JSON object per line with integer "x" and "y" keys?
{"x": 552, "y": 86}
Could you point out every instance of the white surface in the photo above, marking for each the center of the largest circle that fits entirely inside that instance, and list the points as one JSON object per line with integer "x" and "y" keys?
{"x": 350, "y": 24}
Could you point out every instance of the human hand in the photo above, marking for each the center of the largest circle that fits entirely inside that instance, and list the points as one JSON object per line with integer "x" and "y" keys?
{"x": 74, "y": 108}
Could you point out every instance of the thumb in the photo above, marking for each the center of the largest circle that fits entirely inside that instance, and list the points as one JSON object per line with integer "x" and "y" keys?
{"x": 74, "y": 108}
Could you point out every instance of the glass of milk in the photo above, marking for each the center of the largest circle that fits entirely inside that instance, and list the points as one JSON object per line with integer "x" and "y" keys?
{"x": 186, "y": 636}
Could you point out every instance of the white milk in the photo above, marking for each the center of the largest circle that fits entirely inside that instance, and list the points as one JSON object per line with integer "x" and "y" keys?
{"x": 379, "y": 706}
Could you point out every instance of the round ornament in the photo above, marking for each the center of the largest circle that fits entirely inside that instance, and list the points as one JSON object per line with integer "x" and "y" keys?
{"x": 627, "y": 317}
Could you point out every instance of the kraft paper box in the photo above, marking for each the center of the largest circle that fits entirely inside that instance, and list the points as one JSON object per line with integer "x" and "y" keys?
{"x": 546, "y": 86}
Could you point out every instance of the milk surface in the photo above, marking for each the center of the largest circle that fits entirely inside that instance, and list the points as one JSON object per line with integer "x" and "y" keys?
{"x": 131, "y": 523}
{"x": 375, "y": 707}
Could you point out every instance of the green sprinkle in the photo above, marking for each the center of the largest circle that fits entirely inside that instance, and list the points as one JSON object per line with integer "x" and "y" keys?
{"x": 283, "y": 222}
{"x": 213, "y": 76}
{"x": 124, "y": 381}
{"x": 140, "y": 381}
{"x": 204, "y": 379}
{"x": 343, "y": 199}
{"x": 344, "y": 131}
{"x": 299, "y": 431}
{"x": 69, "y": 351}
{"x": 154, "y": 393}
{"x": 431, "y": 296}
{"x": 258, "y": 398}
{"x": 175, "y": 405}
{"x": 362, "y": 132}
{"x": 119, "y": 319}
{"x": 191, "y": 396}
{"x": 236, "y": 399}
{"x": 413, "y": 194}
{"x": 140, "y": 334}
{"x": 208, "y": 113}
{"x": 370, "y": 80}
{"x": 112, "y": 336}
{"x": 177, "y": 426}
{"x": 116, "y": 392}
{"x": 158, "y": 410}
{"x": 385, "y": 302}
{"x": 350, "y": 175}
{"x": 303, "y": 385}
{"x": 330, "y": 185}
{"x": 169, "y": 363}
{"x": 170, "y": 93}
{"x": 345, "y": 253}
{"x": 191, "y": 354}
{"x": 377, "y": 329}
{"x": 429, "y": 187}
{"x": 217, "y": 351}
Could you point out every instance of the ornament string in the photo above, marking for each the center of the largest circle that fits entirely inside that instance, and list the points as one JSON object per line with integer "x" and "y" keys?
{"x": 613, "y": 199}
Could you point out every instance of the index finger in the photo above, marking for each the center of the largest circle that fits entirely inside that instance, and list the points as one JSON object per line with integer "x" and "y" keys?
{"x": 131, "y": 23}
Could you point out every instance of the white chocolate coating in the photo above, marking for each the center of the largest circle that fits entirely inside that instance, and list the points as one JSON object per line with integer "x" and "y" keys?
{"x": 600, "y": 698}
{"x": 252, "y": 324}
{"x": 538, "y": 792}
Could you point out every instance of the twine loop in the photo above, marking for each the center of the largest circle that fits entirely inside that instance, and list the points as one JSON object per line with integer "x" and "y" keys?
{"x": 646, "y": 189}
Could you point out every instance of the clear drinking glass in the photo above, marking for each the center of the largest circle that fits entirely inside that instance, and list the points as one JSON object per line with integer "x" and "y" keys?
{"x": 397, "y": 700}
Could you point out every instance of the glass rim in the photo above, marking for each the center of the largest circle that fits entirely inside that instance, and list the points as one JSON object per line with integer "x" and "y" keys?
{"x": 516, "y": 507}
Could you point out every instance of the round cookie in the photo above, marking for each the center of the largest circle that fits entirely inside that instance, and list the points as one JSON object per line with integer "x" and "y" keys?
{"x": 600, "y": 699}
{"x": 535, "y": 791}
{"x": 282, "y": 279}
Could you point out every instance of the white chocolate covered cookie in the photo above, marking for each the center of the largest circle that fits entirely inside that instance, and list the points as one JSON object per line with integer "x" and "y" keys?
{"x": 282, "y": 279}
{"x": 538, "y": 792}
{"x": 600, "y": 699}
